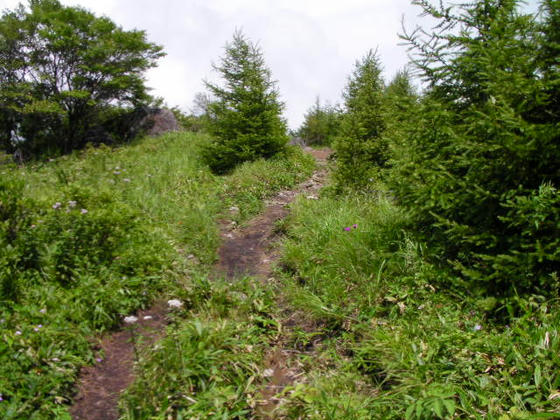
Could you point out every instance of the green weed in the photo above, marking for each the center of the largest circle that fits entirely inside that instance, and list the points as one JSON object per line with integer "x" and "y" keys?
{"x": 208, "y": 364}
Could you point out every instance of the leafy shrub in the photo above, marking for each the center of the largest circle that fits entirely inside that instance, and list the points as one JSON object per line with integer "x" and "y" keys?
{"x": 18, "y": 247}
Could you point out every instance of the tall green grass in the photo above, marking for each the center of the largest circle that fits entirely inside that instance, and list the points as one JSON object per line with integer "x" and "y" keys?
{"x": 89, "y": 238}
{"x": 396, "y": 342}
{"x": 209, "y": 364}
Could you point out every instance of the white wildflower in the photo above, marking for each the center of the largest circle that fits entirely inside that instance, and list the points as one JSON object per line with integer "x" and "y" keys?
{"x": 56, "y": 205}
{"x": 130, "y": 319}
{"x": 477, "y": 327}
{"x": 83, "y": 211}
{"x": 72, "y": 203}
{"x": 175, "y": 303}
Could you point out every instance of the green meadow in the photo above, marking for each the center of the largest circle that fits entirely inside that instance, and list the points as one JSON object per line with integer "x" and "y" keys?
{"x": 91, "y": 237}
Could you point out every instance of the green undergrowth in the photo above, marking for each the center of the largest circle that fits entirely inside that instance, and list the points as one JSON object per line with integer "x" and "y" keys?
{"x": 210, "y": 362}
{"x": 396, "y": 342}
{"x": 89, "y": 238}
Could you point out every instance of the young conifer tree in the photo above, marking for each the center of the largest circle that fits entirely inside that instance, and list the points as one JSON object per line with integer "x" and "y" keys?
{"x": 360, "y": 149}
{"x": 244, "y": 118}
{"x": 320, "y": 124}
{"x": 482, "y": 171}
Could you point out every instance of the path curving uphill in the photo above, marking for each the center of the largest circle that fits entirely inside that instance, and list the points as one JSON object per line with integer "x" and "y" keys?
{"x": 244, "y": 251}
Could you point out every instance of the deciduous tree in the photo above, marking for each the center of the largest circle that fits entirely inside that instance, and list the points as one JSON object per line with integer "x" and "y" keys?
{"x": 60, "y": 69}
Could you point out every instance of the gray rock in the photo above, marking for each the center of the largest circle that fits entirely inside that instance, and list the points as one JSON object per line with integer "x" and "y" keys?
{"x": 160, "y": 121}
{"x": 297, "y": 141}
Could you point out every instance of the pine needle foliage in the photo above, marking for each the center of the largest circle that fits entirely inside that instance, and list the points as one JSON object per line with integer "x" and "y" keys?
{"x": 245, "y": 117}
{"x": 321, "y": 124}
{"x": 482, "y": 163}
{"x": 360, "y": 149}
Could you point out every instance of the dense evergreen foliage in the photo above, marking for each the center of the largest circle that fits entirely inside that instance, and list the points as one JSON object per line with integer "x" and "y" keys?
{"x": 245, "y": 116}
{"x": 320, "y": 125}
{"x": 401, "y": 104}
{"x": 482, "y": 161}
{"x": 65, "y": 76}
{"x": 361, "y": 149}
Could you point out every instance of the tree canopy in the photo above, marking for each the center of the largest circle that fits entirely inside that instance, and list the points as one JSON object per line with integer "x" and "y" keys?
{"x": 61, "y": 68}
{"x": 479, "y": 165}
{"x": 360, "y": 148}
{"x": 320, "y": 124}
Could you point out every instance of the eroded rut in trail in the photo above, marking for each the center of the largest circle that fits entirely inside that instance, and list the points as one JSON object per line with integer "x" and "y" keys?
{"x": 245, "y": 251}
{"x": 100, "y": 385}
{"x": 249, "y": 251}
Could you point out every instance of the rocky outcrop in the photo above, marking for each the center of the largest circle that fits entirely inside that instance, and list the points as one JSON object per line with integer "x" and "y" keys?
{"x": 159, "y": 121}
{"x": 297, "y": 141}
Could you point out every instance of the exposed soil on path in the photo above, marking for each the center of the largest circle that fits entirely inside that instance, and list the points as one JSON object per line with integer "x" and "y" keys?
{"x": 249, "y": 251}
{"x": 100, "y": 385}
{"x": 245, "y": 251}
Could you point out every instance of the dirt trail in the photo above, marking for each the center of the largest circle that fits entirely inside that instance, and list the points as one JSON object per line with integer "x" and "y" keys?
{"x": 100, "y": 385}
{"x": 249, "y": 251}
{"x": 245, "y": 251}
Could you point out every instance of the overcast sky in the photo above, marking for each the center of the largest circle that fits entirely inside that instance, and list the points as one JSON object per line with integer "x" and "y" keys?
{"x": 309, "y": 45}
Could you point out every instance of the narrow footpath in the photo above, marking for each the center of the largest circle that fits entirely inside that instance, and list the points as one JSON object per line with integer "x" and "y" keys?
{"x": 248, "y": 250}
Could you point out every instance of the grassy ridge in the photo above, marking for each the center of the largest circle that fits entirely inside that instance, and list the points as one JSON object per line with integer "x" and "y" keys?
{"x": 89, "y": 238}
{"x": 396, "y": 344}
